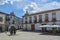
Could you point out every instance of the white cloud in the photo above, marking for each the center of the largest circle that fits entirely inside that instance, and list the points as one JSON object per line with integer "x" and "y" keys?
{"x": 33, "y": 5}
{"x": 2, "y": 2}
{"x": 12, "y": 1}
{"x": 44, "y": 0}
{"x": 47, "y": 6}
{"x": 52, "y": 5}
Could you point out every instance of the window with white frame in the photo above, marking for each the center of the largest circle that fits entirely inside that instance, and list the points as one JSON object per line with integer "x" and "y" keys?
{"x": 40, "y": 18}
{"x": 54, "y": 17}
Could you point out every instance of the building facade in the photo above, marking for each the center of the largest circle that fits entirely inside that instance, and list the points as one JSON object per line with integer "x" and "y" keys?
{"x": 14, "y": 20}
{"x": 34, "y": 20}
{"x": 2, "y": 21}
{"x": 8, "y": 20}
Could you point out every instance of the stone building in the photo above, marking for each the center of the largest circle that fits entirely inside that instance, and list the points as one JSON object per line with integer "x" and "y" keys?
{"x": 2, "y": 21}
{"x": 34, "y": 20}
{"x": 14, "y": 20}
{"x": 7, "y": 20}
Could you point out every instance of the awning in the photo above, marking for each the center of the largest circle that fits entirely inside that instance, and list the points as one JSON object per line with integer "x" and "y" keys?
{"x": 49, "y": 26}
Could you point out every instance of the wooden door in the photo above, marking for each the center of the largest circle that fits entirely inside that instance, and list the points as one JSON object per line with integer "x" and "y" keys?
{"x": 33, "y": 27}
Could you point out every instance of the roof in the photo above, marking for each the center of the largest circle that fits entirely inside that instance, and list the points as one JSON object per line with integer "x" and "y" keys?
{"x": 41, "y": 12}
{"x": 4, "y": 13}
{"x": 12, "y": 14}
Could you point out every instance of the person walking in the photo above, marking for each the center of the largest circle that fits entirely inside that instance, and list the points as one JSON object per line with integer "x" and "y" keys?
{"x": 12, "y": 30}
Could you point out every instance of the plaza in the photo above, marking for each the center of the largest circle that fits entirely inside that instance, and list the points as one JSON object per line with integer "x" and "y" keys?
{"x": 27, "y": 35}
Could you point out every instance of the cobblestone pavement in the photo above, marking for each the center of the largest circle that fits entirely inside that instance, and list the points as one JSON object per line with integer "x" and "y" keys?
{"x": 28, "y": 36}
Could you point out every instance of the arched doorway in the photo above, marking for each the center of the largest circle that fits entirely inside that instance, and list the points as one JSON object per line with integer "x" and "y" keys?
{"x": 33, "y": 27}
{"x": 13, "y": 25}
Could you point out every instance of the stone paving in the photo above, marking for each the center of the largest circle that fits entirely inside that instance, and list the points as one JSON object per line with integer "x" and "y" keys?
{"x": 22, "y": 35}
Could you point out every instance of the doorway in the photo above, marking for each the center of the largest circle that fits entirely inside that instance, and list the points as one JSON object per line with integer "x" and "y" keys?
{"x": 0, "y": 29}
{"x": 33, "y": 27}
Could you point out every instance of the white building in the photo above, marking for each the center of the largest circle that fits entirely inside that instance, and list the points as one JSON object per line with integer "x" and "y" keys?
{"x": 7, "y": 20}
{"x": 34, "y": 20}
{"x": 2, "y": 21}
{"x": 13, "y": 20}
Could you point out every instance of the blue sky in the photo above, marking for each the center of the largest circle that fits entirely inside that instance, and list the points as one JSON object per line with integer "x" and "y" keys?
{"x": 20, "y": 6}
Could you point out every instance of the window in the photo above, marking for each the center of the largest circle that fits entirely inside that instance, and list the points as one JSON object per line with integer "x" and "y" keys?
{"x": 7, "y": 19}
{"x": 35, "y": 19}
{"x": 53, "y": 17}
{"x": 22, "y": 20}
{"x": 25, "y": 19}
{"x": 40, "y": 18}
{"x": 13, "y": 22}
{"x": 30, "y": 20}
{"x": 46, "y": 18}
{"x": 1, "y": 19}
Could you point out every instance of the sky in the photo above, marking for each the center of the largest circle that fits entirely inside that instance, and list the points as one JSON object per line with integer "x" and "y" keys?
{"x": 19, "y": 7}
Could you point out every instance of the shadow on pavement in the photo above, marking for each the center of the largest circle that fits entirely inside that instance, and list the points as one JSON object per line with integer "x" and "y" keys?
{"x": 44, "y": 33}
{"x": 13, "y": 35}
{"x": 52, "y": 34}
{"x": 31, "y": 31}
